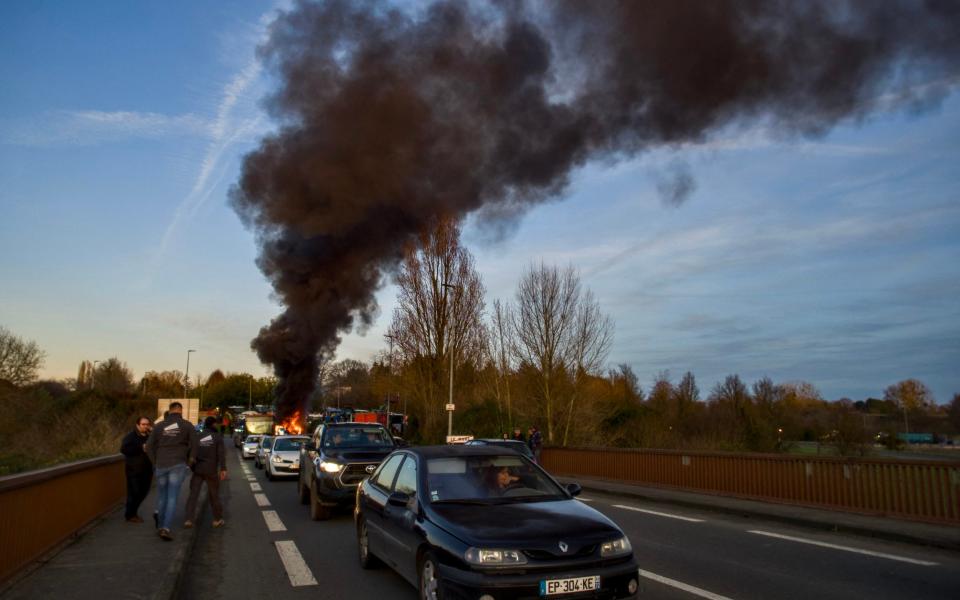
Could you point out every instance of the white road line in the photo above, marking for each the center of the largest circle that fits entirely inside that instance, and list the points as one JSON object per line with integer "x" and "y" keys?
{"x": 582, "y": 499}
{"x": 659, "y": 514}
{"x": 273, "y": 521}
{"x": 261, "y": 499}
{"x": 255, "y": 487}
{"x": 913, "y": 561}
{"x": 251, "y": 478}
{"x": 297, "y": 569}
{"x": 682, "y": 586}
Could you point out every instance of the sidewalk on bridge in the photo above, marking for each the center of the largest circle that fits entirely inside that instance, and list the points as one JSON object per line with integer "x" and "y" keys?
{"x": 114, "y": 559}
{"x": 941, "y": 536}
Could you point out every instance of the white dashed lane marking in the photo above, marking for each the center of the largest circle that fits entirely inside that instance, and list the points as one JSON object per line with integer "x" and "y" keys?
{"x": 297, "y": 569}
{"x": 790, "y": 538}
{"x": 273, "y": 521}
{"x": 659, "y": 514}
{"x": 682, "y": 586}
{"x": 261, "y": 499}
{"x": 255, "y": 487}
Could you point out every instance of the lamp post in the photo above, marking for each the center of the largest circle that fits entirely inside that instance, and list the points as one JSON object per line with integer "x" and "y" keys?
{"x": 447, "y": 286}
{"x": 249, "y": 392}
{"x": 186, "y": 376}
{"x": 93, "y": 375}
{"x": 389, "y": 337}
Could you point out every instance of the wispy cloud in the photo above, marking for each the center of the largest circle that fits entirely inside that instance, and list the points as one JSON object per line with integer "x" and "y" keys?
{"x": 92, "y": 127}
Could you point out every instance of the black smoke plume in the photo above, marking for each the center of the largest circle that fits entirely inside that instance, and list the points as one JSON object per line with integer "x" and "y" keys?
{"x": 390, "y": 119}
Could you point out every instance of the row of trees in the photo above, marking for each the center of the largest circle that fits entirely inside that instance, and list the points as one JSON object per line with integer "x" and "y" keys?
{"x": 539, "y": 359}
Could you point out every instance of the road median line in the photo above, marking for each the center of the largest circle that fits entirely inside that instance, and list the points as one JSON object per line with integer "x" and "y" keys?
{"x": 297, "y": 569}
{"x": 682, "y": 586}
{"x": 657, "y": 513}
{"x": 913, "y": 561}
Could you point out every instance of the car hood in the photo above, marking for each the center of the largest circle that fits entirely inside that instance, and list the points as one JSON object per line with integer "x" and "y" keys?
{"x": 357, "y": 454}
{"x": 532, "y": 525}
{"x": 287, "y": 454}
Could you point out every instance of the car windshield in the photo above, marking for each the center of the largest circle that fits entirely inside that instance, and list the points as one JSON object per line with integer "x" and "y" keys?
{"x": 283, "y": 444}
{"x": 253, "y": 439}
{"x": 265, "y": 441}
{"x": 353, "y": 437}
{"x": 488, "y": 480}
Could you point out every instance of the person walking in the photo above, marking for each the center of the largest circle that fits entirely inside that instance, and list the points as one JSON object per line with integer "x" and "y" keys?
{"x": 211, "y": 467}
{"x": 138, "y": 468}
{"x": 536, "y": 443}
{"x": 172, "y": 447}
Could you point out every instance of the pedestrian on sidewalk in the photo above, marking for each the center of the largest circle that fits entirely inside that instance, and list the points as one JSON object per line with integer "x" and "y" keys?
{"x": 172, "y": 447}
{"x": 138, "y": 468}
{"x": 536, "y": 443}
{"x": 211, "y": 467}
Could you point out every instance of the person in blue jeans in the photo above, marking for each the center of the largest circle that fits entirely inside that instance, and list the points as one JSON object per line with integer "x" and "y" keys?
{"x": 172, "y": 447}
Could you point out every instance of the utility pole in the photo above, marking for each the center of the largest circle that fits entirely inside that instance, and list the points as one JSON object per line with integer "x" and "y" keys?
{"x": 249, "y": 392}
{"x": 447, "y": 305}
{"x": 390, "y": 389}
{"x": 93, "y": 375}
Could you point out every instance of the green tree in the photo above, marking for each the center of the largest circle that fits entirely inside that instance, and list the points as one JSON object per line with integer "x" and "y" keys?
{"x": 113, "y": 377}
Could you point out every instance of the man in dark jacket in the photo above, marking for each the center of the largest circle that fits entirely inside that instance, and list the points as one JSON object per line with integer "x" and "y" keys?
{"x": 138, "y": 468}
{"x": 211, "y": 467}
{"x": 172, "y": 447}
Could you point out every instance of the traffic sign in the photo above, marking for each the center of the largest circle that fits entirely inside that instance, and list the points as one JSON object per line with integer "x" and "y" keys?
{"x": 451, "y": 407}
{"x": 458, "y": 439}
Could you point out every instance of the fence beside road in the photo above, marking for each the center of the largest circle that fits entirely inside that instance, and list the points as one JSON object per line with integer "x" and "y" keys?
{"x": 906, "y": 489}
{"x": 40, "y": 509}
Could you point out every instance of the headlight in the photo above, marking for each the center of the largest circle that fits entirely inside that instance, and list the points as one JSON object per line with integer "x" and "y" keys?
{"x": 277, "y": 459}
{"x": 616, "y": 548}
{"x": 494, "y": 557}
{"x": 331, "y": 467}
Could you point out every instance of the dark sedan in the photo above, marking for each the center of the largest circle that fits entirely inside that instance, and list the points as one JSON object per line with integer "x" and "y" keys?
{"x": 484, "y": 522}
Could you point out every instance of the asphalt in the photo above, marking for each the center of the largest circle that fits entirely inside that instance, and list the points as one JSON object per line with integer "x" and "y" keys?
{"x": 117, "y": 559}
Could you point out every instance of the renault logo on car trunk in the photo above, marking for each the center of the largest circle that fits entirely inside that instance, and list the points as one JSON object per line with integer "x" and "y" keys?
{"x": 563, "y": 546}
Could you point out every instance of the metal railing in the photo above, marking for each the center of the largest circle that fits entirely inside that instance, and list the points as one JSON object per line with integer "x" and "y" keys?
{"x": 906, "y": 489}
{"x": 40, "y": 509}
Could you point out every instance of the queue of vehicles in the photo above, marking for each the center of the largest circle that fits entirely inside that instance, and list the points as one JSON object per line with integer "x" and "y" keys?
{"x": 477, "y": 520}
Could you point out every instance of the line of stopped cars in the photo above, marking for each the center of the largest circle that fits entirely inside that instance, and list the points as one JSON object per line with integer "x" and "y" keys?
{"x": 478, "y": 521}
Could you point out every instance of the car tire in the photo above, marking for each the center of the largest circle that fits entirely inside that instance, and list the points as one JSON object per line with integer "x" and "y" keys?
{"x": 428, "y": 576}
{"x": 303, "y": 492}
{"x": 318, "y": 512}
{"x": 367, "y": 559}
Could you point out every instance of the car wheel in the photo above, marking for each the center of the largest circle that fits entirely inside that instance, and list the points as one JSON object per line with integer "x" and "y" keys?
{"x": 303, "y": 491}
{"x": 318, "y": 512}
{"x": 367, "y": 560}
{"x": 430, "y": 578}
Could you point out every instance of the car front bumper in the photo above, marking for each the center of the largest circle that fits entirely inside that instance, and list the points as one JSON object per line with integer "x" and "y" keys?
{"x": 614, "y": 582}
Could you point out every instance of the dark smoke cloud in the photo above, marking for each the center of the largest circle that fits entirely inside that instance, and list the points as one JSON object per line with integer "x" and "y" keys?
{"x": 391, "y": 120}
{"x": 675, "y": 184}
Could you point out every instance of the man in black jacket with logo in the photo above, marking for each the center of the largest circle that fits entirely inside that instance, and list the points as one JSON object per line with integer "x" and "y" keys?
{"x": 139, "y": 469}
{"x": 172, "y": 446}
{"x": 211, "y": 467}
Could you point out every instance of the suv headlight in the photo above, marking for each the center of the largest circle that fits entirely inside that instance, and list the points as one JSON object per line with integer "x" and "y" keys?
{"x": 331, "y": 467}
{"x": 494, "y": 557}
{"x": 616, "y": 548}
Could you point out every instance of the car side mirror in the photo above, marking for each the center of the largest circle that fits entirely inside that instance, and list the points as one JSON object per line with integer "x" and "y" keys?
{"x": 398, "y": 499}
{"x": 574, "y": 489}
{"x": 400, "y": 442}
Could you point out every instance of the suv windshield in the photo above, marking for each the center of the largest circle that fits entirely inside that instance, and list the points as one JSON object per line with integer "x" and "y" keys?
{"x": 488, "y": 479}
{"x": 355, "y": 437}
{"x": 283, "y": 444}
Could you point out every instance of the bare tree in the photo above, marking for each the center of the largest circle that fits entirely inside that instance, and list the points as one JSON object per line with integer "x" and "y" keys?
{"x": 439, "y": 316}
{"x": 20, "y": 360}
{"x": 500, "y": 349}
{"x": 561, "y": 333}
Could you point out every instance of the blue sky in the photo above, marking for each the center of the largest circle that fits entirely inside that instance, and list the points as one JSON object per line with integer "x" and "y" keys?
{"x": 830, "y": 260}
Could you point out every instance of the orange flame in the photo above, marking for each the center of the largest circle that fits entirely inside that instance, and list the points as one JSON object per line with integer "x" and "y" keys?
{"x": 293, "y": 424}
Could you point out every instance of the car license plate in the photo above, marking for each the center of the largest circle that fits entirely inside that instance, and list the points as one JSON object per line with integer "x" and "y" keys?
{"x": 555, "y": 587}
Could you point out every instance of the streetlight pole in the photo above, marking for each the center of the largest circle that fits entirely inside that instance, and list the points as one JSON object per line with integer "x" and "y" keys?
{"x": 450, "y": 345}
{"x": 389, "y": 337}
{"x": 93, "y": 375}
{"x": 186, "y": 376}
{"x": 249, "y": 392}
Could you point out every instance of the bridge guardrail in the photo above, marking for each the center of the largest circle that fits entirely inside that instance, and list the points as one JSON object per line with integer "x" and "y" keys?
{"x": 915, "y": 490}
{"x": 40, "y": 509}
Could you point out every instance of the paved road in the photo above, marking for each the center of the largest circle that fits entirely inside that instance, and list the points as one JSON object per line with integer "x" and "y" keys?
{"x": 685, "y": 554}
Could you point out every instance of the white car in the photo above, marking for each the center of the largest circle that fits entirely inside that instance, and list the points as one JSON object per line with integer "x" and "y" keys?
{"x": 284, "y": 460}
{"x": 262, "y": 455}
{"x": 250, "y": 446}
